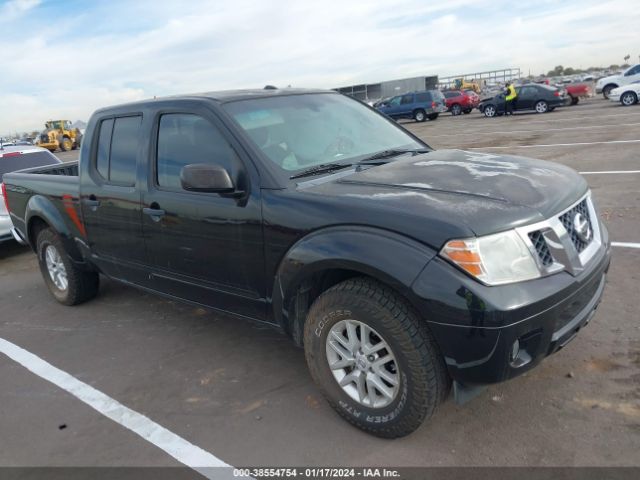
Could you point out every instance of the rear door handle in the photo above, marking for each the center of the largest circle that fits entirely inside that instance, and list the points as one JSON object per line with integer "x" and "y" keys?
{"x": 92, "y": 202}
{"x": 155, "y": 213}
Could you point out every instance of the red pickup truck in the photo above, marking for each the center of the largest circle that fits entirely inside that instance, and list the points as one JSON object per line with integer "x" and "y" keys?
{"x": 461, "y": 101}
{"x": 576, "y": 91}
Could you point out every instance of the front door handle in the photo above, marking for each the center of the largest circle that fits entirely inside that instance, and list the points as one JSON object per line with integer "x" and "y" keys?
{"x": 92, "y": 202}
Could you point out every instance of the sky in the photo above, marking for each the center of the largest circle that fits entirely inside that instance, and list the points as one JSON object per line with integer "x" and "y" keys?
{"x": 64, "y": 59}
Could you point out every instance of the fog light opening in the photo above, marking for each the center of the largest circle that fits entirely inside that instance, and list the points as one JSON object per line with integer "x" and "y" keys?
{"x": 515, "y": 349}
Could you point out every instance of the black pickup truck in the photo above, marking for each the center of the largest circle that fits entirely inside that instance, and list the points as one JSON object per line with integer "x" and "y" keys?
{"x": 398, "y": 268}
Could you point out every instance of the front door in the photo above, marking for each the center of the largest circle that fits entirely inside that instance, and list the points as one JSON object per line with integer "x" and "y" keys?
{"x": 203, "y": 247}
{"x": 110, "y": 201}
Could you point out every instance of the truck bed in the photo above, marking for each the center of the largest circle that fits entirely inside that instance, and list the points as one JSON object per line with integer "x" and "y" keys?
{"x": 52, "y": 187}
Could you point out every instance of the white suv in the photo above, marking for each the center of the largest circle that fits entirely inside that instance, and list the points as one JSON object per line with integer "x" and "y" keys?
{"x": 606, "y": 84}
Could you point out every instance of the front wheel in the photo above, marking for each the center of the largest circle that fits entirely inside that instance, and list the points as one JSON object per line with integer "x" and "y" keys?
{"x": 628, "y": 98}
{"x": 489, "y": 111}
{"x": 67, "y": 283}
{"x": 374, "y": 358}
{"x": 607, "y": 90}
{"x": 542, "y": 106}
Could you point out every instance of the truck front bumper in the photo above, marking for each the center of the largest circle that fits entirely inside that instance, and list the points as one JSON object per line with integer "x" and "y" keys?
{"x": 491, "y": 334}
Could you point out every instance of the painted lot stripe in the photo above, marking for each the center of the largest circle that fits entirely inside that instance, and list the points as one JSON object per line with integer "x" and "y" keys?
{"x": 625, "y": 244}
{"x": 590, "y": 127}
{"x": 609, "y": 172}
{"x": 556, "y": 144}
{"x": 176, "y": 446}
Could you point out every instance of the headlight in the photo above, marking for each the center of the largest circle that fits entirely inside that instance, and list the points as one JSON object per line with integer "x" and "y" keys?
{"x": 493, "y": 259}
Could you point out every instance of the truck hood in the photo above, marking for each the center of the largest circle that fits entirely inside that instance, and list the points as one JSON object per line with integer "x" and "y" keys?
{"x": 485, "y": 192}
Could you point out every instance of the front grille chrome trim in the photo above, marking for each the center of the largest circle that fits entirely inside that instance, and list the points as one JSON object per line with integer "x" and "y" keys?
{"x": 563, "y": 250}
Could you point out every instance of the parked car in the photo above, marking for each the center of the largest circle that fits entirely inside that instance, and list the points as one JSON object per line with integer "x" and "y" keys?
{"x": 417, "y": 105}
{"x": 531, "y": 96}
{"x": 14, "y": 158}
{"x": 606, "y": 84}
{"x": 576, "y": 91}
{"x": 458, "y": 102}
{"x": 627, "y": 95}
{"x": 396, "y": 267}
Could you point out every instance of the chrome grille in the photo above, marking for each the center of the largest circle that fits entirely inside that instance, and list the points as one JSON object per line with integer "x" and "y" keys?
{"x": 540, "y": 244}
{"x": 567, "y": 221}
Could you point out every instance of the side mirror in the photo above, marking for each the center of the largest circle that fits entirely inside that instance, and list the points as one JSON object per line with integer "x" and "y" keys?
{"x": 200, "y": 177}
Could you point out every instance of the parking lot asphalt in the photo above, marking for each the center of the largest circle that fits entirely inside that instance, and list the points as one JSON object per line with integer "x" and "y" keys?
{"x": 241, "y": 390}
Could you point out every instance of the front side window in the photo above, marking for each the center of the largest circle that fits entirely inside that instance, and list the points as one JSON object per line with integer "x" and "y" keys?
{"x": 301, "y": 131}
{"x": 184, "y": 139}
{"x": 634, "y": 71}
{"x": 395, "y": 101}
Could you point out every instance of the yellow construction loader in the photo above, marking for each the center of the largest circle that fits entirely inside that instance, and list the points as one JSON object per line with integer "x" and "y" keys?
{"x": 59, "y": 134}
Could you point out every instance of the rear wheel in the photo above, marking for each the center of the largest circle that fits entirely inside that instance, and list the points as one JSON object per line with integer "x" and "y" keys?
{"x": 66, "y": 282}
{"x": 574, "y": 100}
{"x": 467, "y": 111}
{"x": 419, "y": 115}
{"x": 628, "y": 98}
{"x": 490, "y": 111}
{"x": 432, "y": 116}
{"x": 374, "y": 358}
{"x": 541, "y": 106}
{"x": 456, "y": 109}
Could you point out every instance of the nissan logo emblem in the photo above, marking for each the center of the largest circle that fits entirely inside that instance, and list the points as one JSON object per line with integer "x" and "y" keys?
{"x": 581, "y": 227}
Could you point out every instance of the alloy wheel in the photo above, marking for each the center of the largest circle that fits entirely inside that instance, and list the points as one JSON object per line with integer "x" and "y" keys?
{"x": 56, "y": 268}
{"x": 363, "y": 364}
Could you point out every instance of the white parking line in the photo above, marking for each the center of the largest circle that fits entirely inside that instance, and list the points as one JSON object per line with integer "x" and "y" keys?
{"x": 590, "y": 127}
{"x": 555, "y": 144}
{"x": 625, "y": 244}
{"x": 609, "y": 172}
{"x": 176, "y": 446}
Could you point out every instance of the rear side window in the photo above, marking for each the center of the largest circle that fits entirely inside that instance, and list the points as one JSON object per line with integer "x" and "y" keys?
{"x": 406, "y": 99}
{"x": 423, "y": 97}
{"x": 118, "y": 149}
{"x": 104, "y": 144}
{"x": 184, "y": 139}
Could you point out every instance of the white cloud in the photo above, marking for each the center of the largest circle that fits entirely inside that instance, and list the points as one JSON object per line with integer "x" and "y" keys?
{"x": 13, "y": 9}
{"x": 69, "y": 66}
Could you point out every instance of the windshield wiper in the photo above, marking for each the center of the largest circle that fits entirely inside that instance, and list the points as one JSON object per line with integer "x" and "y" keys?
{"x": 392, "y": 152}
{"x": 322, "y": 168}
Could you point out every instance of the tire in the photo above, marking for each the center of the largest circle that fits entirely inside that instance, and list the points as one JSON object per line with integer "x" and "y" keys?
{"x": 78, "y": 285}
{"x": 432, "y": 116}
{"x": 541, "y": 106}
{"x": 607, "y": 89}
{"x": 419, "y": 115}
{"x": 65, "y": 144}
{"x": 456, "y": 109}
{"x": 490, "y": 110}
{"x": 467, "y": 111}
{"x": 628, "y": 98}
{"x": 417, "y": 367}
{"x": 575, "y": 100}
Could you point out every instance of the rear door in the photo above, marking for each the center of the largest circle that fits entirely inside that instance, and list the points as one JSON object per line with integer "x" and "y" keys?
{"x": 526, "y": 98}
{"x": 203, "y": 247}
{"x": 110, "y": 201}
{"x": 407, "y": 105}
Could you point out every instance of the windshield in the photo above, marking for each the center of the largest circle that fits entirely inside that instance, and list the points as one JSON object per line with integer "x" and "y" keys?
{"x": 300, "y": 131}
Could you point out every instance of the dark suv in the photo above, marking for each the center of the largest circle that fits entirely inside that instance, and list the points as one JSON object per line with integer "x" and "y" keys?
{"x": 416, "y": 105}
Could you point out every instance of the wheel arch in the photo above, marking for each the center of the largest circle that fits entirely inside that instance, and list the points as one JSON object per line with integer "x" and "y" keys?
{"x": 324, "y": 258}
{"x": 41, "y": 213}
